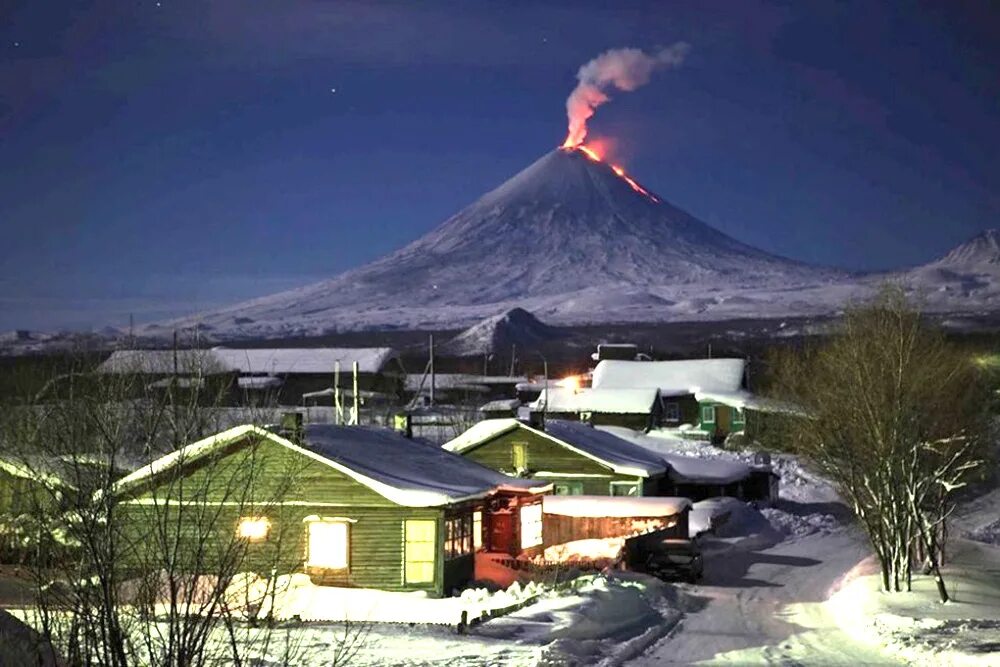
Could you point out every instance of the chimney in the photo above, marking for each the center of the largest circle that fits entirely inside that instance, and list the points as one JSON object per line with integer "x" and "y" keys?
{"x": 402, "y": 424}
{"x": 291, "y": 426}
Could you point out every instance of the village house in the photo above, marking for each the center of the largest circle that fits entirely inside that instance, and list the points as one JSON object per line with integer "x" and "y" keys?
{"x": 284, "y": 376}
{"x": 575, "y": 457}
{"x": 348, "y": 506}
{"x": 705, "y": 396}
{"x": 638, "y": 409}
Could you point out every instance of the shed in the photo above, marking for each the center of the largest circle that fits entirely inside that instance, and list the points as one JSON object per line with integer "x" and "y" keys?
{"x": 571, "y": 518}
{"x": 680, "y": 384}
{"x": 638, "y": 409}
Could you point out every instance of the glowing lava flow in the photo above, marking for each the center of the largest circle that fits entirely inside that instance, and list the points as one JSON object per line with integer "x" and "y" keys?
{"x": 592, "y": 154}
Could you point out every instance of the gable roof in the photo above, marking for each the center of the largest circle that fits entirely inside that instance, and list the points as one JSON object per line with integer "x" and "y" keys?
{"x": 672, "y": 378}
{"x": 602, "y": 400}
{"x": 408, "y": 472}
{"x": 622, "y": 456}
{"x": 318, "y": 360}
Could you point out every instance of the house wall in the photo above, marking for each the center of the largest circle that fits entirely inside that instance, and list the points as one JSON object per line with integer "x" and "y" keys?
{"x": 727, "y": 419}
{"x": 274, "y": 482}
{"x": 19, "y": 495}
{"x": 545, "y": 456}
{"x": 688, "y": 410}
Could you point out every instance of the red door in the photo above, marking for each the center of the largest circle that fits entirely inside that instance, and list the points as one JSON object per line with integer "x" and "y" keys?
{"x": 502, "y": 533}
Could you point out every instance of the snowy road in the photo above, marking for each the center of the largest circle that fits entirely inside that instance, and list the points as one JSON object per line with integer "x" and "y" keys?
{"x": 754, "y": 608}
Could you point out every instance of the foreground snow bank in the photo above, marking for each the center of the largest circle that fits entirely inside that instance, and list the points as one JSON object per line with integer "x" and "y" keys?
{"x": 599, "y": 619}
{"x": 916, "y": 626}
{"x": 297, "y": 598}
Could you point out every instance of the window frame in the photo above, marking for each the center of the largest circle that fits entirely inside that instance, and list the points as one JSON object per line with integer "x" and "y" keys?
{"x": 407, "y": 561}
{"x": 576, "y": 488}
{"x": 458, "y": 536}
{"x": 622, "y": 483}
{"x": 671, "y": 411}
{"x": 714, "y": 415}
{"x": 519, "y": 455}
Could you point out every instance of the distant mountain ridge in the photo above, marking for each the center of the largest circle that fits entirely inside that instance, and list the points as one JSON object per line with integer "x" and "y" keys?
{"x": 573, "y": 242}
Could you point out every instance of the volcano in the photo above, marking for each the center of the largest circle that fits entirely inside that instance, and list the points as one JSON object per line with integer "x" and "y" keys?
{"x": 571, "y": 238}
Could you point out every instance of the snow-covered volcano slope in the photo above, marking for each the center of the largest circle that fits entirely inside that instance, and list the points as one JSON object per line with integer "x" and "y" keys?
{"x": 568, "y": 239}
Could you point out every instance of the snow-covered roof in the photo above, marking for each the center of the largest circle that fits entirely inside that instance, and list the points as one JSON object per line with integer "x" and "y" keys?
{"x": 460, "y": 380}
{"x": 318, "y": 360}
{"x": 480, "y": 432}
{"x": 408, "y": 472}
{"x": 410, "y": 466}
{"x": 613, "y": 506}
{"x": 745, "y": 400}
{"x": 259, "y": 382}
{"x": 613, "y": 401}
{"x": 703, "y": 471}
{"x": 622, "y": 456}
{"x": 507, "y": 404}
{"x": 672, "y": 378}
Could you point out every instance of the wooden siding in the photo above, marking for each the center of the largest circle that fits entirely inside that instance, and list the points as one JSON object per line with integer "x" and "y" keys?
{"x": 544, "y": 455}
{"x": 274, "y": 482}
{"x": 561, "y": 529}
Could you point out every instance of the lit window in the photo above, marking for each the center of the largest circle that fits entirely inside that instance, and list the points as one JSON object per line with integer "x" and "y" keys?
{"x": 708, "y": 414}
{"x": 519, "y": 453}
{"x": 477, "y": 530}
{"x": 328, "y": 545}
{"x": 253, "y": 528}
{"x": 625, "y": 489}
{"x": 531, "y": 525}
{"x": 420, "y": 546}
{"x": 458, "y": 536}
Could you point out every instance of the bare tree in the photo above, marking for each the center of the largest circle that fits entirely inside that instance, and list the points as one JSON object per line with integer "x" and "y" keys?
{"x": 895, "y": 415}
{"x": 158, "y": 572}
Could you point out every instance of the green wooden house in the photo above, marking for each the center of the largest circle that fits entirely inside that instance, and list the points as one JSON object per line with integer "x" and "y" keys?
{"x": 576, "y": 457}
{"x": 26, "y": 487}
{"x": 704, "y": 395}
{"x": 349, "y": 506}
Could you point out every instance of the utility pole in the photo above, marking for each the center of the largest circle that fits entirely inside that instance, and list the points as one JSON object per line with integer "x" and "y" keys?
{"x": 338, "y": 410}
{"x": 432, "y": 369}
{"x": 357, "y": 399}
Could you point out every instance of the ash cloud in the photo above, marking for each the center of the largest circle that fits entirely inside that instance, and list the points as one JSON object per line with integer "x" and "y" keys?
{"x": 617, "y": 69}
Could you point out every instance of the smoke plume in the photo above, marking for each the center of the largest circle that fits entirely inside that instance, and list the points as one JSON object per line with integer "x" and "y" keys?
{"x": 621, "y": 69}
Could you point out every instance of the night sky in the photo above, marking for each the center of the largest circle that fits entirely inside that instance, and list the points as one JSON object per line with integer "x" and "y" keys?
{"x": 159, "y": 158}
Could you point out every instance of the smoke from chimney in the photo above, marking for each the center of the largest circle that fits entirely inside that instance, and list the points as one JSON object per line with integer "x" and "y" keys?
{"x": 621, "y": 69}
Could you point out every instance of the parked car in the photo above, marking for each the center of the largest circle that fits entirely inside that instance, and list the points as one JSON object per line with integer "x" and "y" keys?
{"x": 667, "y": 559}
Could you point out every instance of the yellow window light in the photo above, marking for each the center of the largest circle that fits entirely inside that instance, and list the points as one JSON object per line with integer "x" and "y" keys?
{"x": 328, "y": 545}
{"x": 253, "y": 528}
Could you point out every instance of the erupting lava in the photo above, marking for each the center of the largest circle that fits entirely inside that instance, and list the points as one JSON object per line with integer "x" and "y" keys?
{"x": 596, "y": 157}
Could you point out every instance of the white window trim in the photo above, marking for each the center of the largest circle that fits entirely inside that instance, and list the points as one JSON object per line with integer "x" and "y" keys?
{"x": 714, "y": 415}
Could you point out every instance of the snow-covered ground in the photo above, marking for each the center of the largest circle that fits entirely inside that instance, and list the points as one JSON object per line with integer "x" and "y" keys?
{"x": 916, "y": 627}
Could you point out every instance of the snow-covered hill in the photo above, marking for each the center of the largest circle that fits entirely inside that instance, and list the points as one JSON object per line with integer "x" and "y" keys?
{"x": 514, "y": 327}
{"x": 574, "y": 242}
